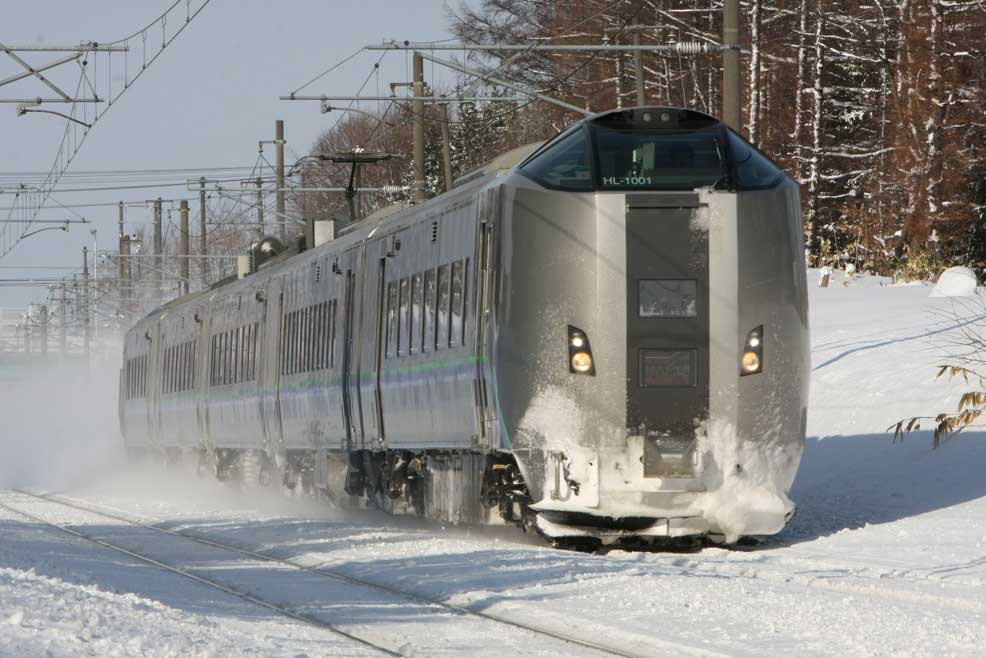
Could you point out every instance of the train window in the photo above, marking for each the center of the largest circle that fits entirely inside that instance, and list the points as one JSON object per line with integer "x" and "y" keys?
{"x": 328, "y": 337}
{"x": 223, "y": 358}
{"x": 309, "y": 316}
{"x": 229, "y": 357}
{"x": 458, "y": 301}
{"x": 391, "y": 319}
{"x": 219, "y": 359}
{"x": 302, "y": 340}
{"x": 655, "y": 160}
{"x": 666, "y": 298}
{"x": 237, "y": 355}
{"x": 753, "y": 170}
{"x": 442, "y": 338}
{"x": 310, "y": 338}
{"x": 295, "y": 341}
{"x": 317, "y": 340}
{"x": 563, "y": 165}
{"x": 402, "y": 330}
{"x": 253, "y": 350}
{"x": 332, "y": 337}
{"x": 291, "y": 342}
{"x": 414, "y": 335}
{"x": 245, "y": 348}
{"x": 430, "y": 306}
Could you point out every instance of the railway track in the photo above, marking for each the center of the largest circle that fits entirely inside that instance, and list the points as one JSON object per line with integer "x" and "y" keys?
{"x": 521, "y": 631}
{"x": 209, "y": 582}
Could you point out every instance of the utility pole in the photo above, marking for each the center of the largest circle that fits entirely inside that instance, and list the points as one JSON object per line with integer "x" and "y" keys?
{"x": 157, "y": 252}
{"x": 418, "y": 107}
{"x": 638, "y": 61}
{"x": 203, "y": 246}
{"x": 282, "y": 229}
{"x": 44, "y": 330}
{"x": 183, "y": 247}
{"x": 85, "y": 297}
{"x": 121, "y": 237}
{"x": 446, "y": 147}
{"x": 125, "y": 273}
{"x": 124, "y": 252}
{"x": 731, "y": 113}
{"x": 62, "y": 319}
{"x": 260, "y": 206}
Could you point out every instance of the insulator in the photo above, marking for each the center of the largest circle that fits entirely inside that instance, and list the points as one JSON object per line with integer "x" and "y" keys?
{"x": 690, "y": 47}
{"x": 394, "y": 189}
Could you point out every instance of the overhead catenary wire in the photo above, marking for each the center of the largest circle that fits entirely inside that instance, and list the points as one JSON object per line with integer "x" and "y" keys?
{"x": 30, "y": 204}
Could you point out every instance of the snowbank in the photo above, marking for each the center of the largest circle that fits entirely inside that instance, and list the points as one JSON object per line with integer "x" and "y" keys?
{"x": 956, "y": 282}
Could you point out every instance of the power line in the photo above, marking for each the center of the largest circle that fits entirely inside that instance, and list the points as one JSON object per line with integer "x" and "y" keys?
{"x": 32, "y": 203}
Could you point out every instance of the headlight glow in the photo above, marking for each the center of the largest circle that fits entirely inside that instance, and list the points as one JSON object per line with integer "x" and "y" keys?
{"x": 752, "y": 360}
{"x": 579, "y": 353}
{"x": 581, "y": 362}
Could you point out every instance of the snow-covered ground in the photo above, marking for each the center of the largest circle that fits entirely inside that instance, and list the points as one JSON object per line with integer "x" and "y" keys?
{"x": 887, "y": 556}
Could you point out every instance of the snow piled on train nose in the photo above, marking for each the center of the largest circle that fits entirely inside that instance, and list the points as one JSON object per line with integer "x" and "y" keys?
{"x": 744, "y": 479}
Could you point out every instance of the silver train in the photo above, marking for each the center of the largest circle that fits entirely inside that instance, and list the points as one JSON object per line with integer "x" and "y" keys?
{"x": 603, "y": 338}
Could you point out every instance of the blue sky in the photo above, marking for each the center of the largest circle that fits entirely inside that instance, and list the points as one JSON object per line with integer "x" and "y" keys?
{"x": 204, "y": 103}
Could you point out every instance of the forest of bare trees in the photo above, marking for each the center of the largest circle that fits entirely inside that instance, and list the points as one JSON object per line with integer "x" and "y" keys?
{"x": 875, "y": 106}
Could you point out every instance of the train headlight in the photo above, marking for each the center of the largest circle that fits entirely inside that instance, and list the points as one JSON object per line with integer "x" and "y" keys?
{"x": 752, "y": 361}
{"x": 580, "y": 360}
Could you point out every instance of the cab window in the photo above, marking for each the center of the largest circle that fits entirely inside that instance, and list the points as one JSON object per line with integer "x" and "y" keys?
{"x": 563, "y": 165}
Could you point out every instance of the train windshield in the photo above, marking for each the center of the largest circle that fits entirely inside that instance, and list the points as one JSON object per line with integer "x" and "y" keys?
{"x": 657, "y": 160}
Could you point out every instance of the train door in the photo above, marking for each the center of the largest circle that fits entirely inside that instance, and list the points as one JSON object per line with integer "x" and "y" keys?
{"x": 667, "y": 327}
{"x": 153, "y": 381}
{"x": 370, "y": 356}
{"x": 351, "y": 322}
{"x": 202, "y": 381}
{"x": 488, "y": 213}
{"x": 272, "y": 323}
{"x": 259, "y": 358}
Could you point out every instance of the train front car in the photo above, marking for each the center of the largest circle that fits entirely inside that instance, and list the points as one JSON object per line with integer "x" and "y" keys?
{"x": 652, "y": 353}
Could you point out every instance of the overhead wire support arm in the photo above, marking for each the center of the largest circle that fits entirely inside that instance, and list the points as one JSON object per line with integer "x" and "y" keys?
{"x": 683, "y": 47}
{"x": 402, "y": 99}
{"x": 504, "y": 83}
{"x": 42, "y": 101}
{"x": 81, "y": 48}
{"x": 50, "y": 65}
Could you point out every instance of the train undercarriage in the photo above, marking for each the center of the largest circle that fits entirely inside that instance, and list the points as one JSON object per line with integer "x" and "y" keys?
{"x": 449, "y": 487}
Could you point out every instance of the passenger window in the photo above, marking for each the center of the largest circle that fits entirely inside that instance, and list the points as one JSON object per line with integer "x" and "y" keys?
{"x": 414, "y": 335}
{"x": 219, "y": 359}
{"x": 238, "y": 355}
{"x": 304, "y": 345}
{"x": 442, "y": 339}
{"x": 391, "y": 319}
{"x": 293, "y": 355}
{"x": 403, "y": 334}
{"x": 321, "y": 336}
{"x": 245, "y": 349}
{"x": 564, "y": 164}
{"x": 429, "y": 312}
{"x": 332, "y": 336}
{"x": 253, "y": 351}
{"x": 458, "y": 299}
